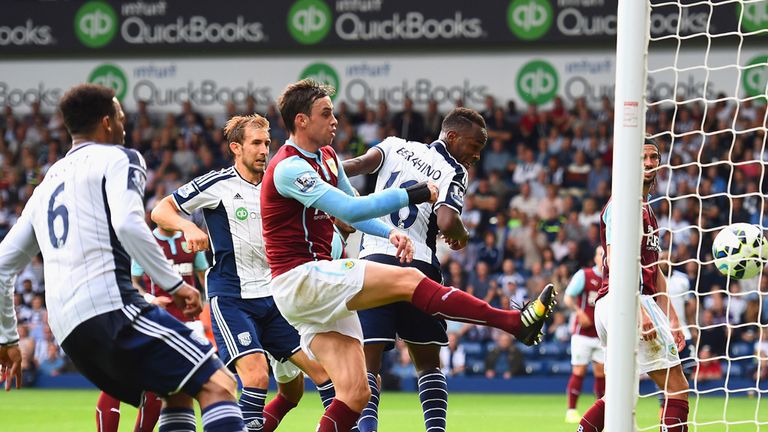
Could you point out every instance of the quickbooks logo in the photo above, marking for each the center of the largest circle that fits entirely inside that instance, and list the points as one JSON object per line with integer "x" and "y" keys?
{"x": 95, "y": 24}
{"x": 529, "y": 19}
{"x": 537, "y": 82}
{"x": 323, "y": 73}
{"x": 241, "y": 213}
{"x": 309, "y": 21}
{"x": 755, "y": 76}
{"x": 112, "y": 76}
{"x": 755, "y": 16}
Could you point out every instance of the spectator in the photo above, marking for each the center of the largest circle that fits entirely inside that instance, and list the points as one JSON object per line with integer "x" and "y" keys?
{"x": 505, "y": 359}
{"x": 525, "y": 202}
{"x": 53, "y": 362}
{"x": 452, "y": 357}
{"x": 708, "y": 368}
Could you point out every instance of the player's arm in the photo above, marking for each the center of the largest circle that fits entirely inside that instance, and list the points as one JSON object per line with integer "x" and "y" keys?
{"x": 368, "y": 163}
{"x": 201, "y": 266}
{"x": 125, "y": 180}
{"x": 451, "y": 226}
{"x": 574, "y": 289}
{"x": 167, "y": 214}
{"x": 662, "y": 299}
{"x": 450, "y": 203}
{"x": 16, "y": 251}
{"x": 376, "y": 227}
{"x": 294, "y": 178}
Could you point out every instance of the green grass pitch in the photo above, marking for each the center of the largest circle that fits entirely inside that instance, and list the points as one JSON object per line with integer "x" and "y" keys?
{"x": 30, "y": 410}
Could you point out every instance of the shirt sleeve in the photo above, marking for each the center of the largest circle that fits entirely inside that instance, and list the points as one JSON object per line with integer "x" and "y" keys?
{"x": 16, "y": 251}
{"x": 294, "y": 178}
{"x": 196, "y": 194}
{"x": 576, "y": 285}
{"x": 383, "y": 147}
{"x": 607, "y": 222}
{"x": 125, "y": 189}
{"x": 201, "y": 262}
{"x": 136, "y": 269}
{"x": 452, "y": 190}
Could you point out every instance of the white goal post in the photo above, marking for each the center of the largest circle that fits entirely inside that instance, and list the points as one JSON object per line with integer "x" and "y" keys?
{"x": 704, "y": 138}
{"x": 626, "y": 190}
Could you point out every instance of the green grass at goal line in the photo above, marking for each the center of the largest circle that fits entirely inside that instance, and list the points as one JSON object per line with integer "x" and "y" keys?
{"x": 31, "y": 410}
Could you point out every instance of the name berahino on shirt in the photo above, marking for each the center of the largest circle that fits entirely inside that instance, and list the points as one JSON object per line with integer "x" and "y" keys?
{"x": 420, "y": 165}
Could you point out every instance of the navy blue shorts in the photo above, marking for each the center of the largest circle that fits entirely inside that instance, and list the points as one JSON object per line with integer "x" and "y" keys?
{"x": 247, "y": 326}
{"x": 385, "y": 324}
{"x": 141, "y": 348}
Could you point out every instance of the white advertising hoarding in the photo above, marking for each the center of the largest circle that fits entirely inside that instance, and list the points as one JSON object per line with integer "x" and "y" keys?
{"x": 210, "y": 82}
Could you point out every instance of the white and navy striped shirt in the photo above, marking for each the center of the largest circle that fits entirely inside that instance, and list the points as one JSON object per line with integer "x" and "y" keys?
{"x": 232, "y": 211}
{"x": 405, "y": 163}
{"x": 87, "y": 219}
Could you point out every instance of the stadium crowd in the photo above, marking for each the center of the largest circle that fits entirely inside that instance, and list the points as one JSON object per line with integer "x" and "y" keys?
{"x": 532, "y": 208}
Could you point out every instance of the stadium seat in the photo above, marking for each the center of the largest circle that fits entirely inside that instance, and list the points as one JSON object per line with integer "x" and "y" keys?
{"x": 561, "y": 367}
{"x": 536, "y": 367}
{"x": 741, "y": 349}
{"x": 529, "y": 352}
{"x": 473, "y": 348}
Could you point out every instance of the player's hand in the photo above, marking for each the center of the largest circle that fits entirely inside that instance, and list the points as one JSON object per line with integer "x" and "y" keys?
{"x": 162, "y": 302}
{"x": 10, "y": 366}
{"x": 404, "y": 245}
{"x": 679, "y": 339}
{"x": 647, "y": 329}
{"x": 583, "y": 318}
{"x": 187, "y": 299}
{"x": 197, "y": 239}
{"x": 344, "y": 228}
{"x": 456, "y": 244}
{"x": 433, "y": 192}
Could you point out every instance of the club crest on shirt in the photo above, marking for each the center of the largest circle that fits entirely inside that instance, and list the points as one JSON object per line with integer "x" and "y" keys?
{"x": 305, "y": 182}
{"x": 186, "y": 190}
{"x": 137, "y": 180}
{"x": 185, "y": 247}
{"x": 332, "y": 165}
{"x": 244, "y": 338}
{"x": 457, "y": 195}
{"x": 349, "y": 264}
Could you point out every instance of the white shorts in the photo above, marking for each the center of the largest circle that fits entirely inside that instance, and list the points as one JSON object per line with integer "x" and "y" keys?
{"x": 585, "y": 349}
{"x": 284, "y": 372}
{"x": 657, "y": 354}
{"x": 313, "y": 298}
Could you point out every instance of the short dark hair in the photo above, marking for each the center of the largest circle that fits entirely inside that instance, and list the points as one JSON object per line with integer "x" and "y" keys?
{"x": 84, "y": 105}
{"x": 299, "y": 97}
{"x": 461, "y": 119}
{"x": 651, "y": 141}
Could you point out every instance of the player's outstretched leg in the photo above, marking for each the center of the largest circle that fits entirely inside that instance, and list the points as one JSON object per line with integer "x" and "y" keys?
{"x": 149, "y": 412}
{"x": 525, "y": 322}
{"x": 107, "y": 413}
{"x": 386, "y": 284}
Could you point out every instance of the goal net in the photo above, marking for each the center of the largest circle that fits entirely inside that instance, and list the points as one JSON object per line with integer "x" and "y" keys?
{"x": 711, "y": 128}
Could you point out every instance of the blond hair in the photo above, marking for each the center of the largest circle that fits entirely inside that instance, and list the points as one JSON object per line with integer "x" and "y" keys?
{"x": 234, "y": 130}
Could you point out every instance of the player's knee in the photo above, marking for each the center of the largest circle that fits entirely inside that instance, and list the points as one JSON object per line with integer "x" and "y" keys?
{"x": 255, "y": 378}
{"x": 411, "y": 277}
{"x": 220, "y": 386}
{"x": 360, "y": 396}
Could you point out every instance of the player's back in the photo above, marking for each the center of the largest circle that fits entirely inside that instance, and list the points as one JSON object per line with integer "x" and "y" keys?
{"x": 405, "y": 163}
{"x": 87, "y": 270}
